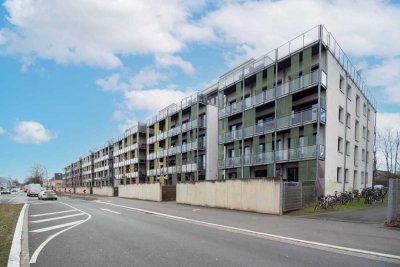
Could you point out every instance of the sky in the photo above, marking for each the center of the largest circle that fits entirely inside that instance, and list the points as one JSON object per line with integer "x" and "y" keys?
{"x": 74, "y": 74}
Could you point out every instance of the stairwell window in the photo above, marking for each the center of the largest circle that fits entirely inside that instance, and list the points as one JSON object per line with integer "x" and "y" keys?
{"x": 348, "y": 120}
{"x": 339, "y": 174}
{"x": 341, "y": 83}
{"x": 340, "y": 144}
{"x": 341, "y": 111}
{"x": 348, "y": 92}
{"x": 347, "y": 148}
{"x": 346, "y": 176}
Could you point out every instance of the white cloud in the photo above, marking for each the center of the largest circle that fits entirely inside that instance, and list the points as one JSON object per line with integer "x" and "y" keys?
{"x": 264, "y": 25}
{"x": 121, "y": 82}
{"x": 2, "y": 130}
{"x": 385, "y": 75}
{"x": 31, "y": 132}
{"x": 166, "y": 60}
{"x": 153, "y": 99}
{"x": 387, "y": 120}
{"x": 95, "y": 33}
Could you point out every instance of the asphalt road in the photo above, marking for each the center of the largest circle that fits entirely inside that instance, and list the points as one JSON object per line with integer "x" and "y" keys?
{"x": 99, "y": 234}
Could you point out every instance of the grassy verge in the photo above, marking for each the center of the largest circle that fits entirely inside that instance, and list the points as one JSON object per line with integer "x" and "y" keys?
{"x": 309, "y": 209}
{"x": 9, "y": 214}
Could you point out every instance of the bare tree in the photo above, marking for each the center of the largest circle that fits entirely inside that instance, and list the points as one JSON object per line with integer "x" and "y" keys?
{"x": 37, "y": 175}
{"x": 389, "y": 146}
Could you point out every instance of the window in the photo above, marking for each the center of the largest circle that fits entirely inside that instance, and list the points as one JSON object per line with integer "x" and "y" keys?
{"x": 356, "y": 130}
{"x": 355, "y": 155}
{"x": 347, "y": 148}
{"x": 355, "y": 179}
{"x": 357, "y": 105}
{"x": 346, "y": 176}
{"x": 340, "y": 144}
{"x": 367, "y": 157}
{"x": 339, "y": 175}
{"x": 348, "y": 93}
{"x": 341, "y": 83}
{"x": 363, "y": 155}
{"x": 341, "y": 110}
{"x": 368, "y": 114}
{"x": 368, "y": 135}
{"x": 364, "y": 130}
{"x": 348, "y": 120}
{"x": 365, "y": 109}
{"x": 366, "y": 178}
{"x": 362, "y": 178}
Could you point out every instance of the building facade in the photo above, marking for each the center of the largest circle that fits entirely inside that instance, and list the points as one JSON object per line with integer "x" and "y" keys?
{"x": 300, "y": 112}
{"x": 130, "y": 156}
{"x": 179, "y": 141}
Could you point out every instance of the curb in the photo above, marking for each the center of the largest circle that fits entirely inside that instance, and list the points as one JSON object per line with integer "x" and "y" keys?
{"x": 25, "y": 244}
{"x": 14, "y": 260}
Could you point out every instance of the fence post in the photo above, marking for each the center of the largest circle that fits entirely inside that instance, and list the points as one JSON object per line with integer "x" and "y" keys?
{"x": 393, "y": 199}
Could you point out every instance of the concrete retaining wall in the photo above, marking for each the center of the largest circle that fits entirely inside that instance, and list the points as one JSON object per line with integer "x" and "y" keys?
{"x": 141, "y": 191}
{"x": 104, "y": 191}
{"x": 259, "y": 195}
{"x": 79, "y": 190}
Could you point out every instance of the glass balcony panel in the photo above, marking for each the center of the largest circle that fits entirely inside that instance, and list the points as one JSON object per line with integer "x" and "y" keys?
{"x": 259, "y": 128}
{"x": 248, "y": 131}
{"x": 248, "y": 102}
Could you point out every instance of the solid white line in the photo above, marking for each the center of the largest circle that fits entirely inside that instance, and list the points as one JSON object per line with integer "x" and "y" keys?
{"x": 277, "y": 237}
{"x": 15, "y": 252}
{"x": 57, "y": 218}
{"x": 44, "y": 214}
{"x": 111, "y": 211}
{"x": 41, "y": 230}
{"x": 39, "y": 249}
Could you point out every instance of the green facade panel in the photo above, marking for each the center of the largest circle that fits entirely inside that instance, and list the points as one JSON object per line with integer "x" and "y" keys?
{"x": 307, "y": 60}
{"x": 294, "y": 137}
{"x": 246, "y": 172}
{"x": 256, "y": 143}
{"x": 294, "y": 66}
{"x": 220, "y": 100}
{"x": 249, "y": 117}
{"x": 308, "y": 135}
{"x": 239, "y": 92}
{"x": 270, "y": 77}
{"x": 307, "y": 170}
{"x": 268, "y": 142}
{"x": 193, "y": 112}
{"x": 270, "y": 170}
{"x": 284, "y": 106}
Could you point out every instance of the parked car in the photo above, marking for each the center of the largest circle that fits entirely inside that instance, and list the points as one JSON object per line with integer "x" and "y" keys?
{"x": 14, "y": 190}
{"x": 5, "y": 192}
{"x": 47, "y": 194}
{"x": 378, "y": 186}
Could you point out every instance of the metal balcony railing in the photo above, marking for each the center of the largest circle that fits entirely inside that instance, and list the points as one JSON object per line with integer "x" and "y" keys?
{"x": 297, "y": 118}
{"x": 297, "y": 84}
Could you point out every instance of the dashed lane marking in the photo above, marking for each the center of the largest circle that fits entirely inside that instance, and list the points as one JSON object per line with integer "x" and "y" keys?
{"x": 57, "y": 218}
{"x": 51, "y": 213}
{"x": 41, "y": 230}
{"x": 111, "y": 211}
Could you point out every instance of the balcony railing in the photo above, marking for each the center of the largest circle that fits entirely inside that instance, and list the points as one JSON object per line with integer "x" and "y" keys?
{"x": 301, "y": 153}
{"x": 297, "y": 84}
{"x": 297, "y": 118}
{"x": 231, "y": 109}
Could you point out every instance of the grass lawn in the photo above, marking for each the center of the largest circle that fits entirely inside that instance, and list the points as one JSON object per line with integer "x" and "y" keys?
{"x": 9, "y": 214}
{"x": 309, "y": 209}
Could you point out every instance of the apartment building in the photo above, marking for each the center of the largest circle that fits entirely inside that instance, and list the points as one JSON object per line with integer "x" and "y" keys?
{"x": 103, "y": 169}
{"x": 182, "y": 141}
{"x": 130, "y": 156}
{"x": 87, "y": 169}
{"x": 297, "y": 112}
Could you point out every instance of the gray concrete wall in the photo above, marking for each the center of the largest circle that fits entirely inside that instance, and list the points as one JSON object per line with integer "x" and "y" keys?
{"x": 212, "y": 143}
{"x": 104, "y": 191}
{"x": 141, "y": 191}
{"x": 259, "y": 195}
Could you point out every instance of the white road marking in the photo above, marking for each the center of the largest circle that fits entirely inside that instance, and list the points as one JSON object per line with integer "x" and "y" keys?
{"x": 12, "y": 199}
{"x": 44, "y": 214}
{"x": 39, "y": 249}
{"x": 41, "y": 203}
{"x": 14, "y": 259}
{"x": 291, "y": 240}
{"x": 111, "y": 211}
{"x": 57, "y": 218}
{"x": 41, "y": 230}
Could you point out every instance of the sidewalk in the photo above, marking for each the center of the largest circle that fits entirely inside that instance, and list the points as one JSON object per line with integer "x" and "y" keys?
{"x": 372, "y": 237}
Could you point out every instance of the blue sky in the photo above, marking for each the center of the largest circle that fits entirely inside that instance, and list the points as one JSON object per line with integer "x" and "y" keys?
{"x": 74, "y": 75}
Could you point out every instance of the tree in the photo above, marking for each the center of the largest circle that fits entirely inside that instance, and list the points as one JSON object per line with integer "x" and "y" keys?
{"x": 389, "y": 146}
{"x": 37, "y": 175}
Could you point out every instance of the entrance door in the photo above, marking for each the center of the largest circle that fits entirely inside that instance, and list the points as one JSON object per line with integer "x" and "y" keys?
{"x": 293, "y": 174}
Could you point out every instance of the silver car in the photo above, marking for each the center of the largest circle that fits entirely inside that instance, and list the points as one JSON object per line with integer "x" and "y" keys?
{"x": 47, "y": 194}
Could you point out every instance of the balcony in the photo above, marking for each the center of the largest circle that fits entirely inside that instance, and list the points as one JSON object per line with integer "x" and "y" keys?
{"x": 298, "y": 84}
{"x": 299, "y": 118}
{"x": 151, "y": 140}
{"x": 301, "y": 153}
{"x": 231, "y": 109}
